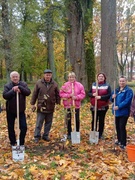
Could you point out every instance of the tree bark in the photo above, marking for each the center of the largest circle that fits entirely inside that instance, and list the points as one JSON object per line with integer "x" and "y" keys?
{"x": 108, "y": 40}
{"x": 75, "y": 38}
{"x": 49, "y": 38}
{"x": 6, "y": 38}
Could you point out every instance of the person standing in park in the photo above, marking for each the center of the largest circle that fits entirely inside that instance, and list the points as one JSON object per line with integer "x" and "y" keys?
{"x": 10, "y": 95}
{"x": 132, "y": 109}
{"x": 69, "y": 92}
{"x": 46, "y": 93}
{"x": 123, "y": 97}
{"x": 102, "y": 95}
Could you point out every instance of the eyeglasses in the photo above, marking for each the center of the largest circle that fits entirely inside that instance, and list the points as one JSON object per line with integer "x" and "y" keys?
{"x": 101, "y": 76}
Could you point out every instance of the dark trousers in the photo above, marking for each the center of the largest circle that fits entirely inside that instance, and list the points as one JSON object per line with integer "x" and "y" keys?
{"x": 101, "y": 119}
{"x": 45, "y": 118}
{"x": 69, "y": 116}
{"x": 22, "y": 125}
{"x": 121, "y": 129}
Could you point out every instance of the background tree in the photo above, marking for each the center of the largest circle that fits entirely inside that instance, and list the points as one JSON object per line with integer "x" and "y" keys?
{"x": 65, "y": 35}
{"x": 108, "y": 40}
{"x": 125, "y": 37}
{"x": 89, "y": 42}
{"x": 6, "y": 37}
{"x": 49, "y": 36}
{"x": 75, "y": 39}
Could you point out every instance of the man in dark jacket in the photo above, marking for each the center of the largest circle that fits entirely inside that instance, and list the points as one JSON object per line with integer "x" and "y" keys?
{"x": 46, "y": 93}
{"x": 9, "y": 93}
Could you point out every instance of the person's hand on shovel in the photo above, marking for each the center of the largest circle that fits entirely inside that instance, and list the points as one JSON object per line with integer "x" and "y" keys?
{"x": 33, "y": 108}
{"x": 73, "y": 96}
{"x": 113, "y": 96}
{"x": 115, "y": 108}
{"x": 98, "y": 97}
{"x": 16, "y": 89}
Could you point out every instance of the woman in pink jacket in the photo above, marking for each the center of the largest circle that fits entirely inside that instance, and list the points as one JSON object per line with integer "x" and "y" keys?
{"x": 72, "y": 93}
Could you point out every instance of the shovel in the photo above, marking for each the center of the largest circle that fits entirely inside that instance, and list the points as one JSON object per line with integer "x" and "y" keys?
{"x": 94, "y": 135}
{"x": 18, "y": 151}
{"x": 64, "y": 138}
{"x": 75, "y": 136}
{"x": 114, "y": 103}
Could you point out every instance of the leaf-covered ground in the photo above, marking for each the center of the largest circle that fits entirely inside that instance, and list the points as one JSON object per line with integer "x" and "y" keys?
{"x": 57, "y": 160}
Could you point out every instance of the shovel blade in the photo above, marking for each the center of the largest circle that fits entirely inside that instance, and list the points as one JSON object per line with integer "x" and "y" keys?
{"x": 18, "y": 153}
{"x": 94, "y": 136}
{"x": 75, "y": 137}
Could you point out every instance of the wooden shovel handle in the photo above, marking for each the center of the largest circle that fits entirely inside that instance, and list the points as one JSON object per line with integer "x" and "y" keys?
{"x": 17, "y": 104}
{"x": 114, "y": 103}
{"x": 95, "y": 110}
{"x": 73, "y": 101}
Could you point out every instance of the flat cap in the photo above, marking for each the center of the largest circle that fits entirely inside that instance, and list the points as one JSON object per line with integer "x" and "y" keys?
{"x": 47, "y": 71}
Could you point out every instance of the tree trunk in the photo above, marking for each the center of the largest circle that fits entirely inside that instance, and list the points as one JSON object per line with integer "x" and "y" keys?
{"x": 75, "y": 38}
{"x": 1, "y": 72}
{"x": 108, "y": 40}
{"x": 89, "y": 45}
{"x": 132, "y": 56}
{"x": 49, "y": 36}
{"x": 6, "y": 38}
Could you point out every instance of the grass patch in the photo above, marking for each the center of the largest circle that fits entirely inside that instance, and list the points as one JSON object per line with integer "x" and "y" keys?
{"x": 53, "y": 164}
{"x": 132, "y": 176}
{"x": 27, "y": 175}
{"x": 84, "y": 165}
{"x": 75, "y": 156}
{"x": 83, "y": 174}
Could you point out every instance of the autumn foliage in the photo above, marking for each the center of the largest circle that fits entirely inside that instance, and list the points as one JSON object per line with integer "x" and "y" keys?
{"x": 57, "y": 160}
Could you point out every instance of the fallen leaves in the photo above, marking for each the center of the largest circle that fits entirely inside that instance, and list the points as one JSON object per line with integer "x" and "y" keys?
{"x": 48, "y": 161}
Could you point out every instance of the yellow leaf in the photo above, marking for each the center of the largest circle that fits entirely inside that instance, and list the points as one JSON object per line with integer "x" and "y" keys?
{"x": 1, "y": 160}
{"x": 13, "y": 175}
{"x": 45, "y": 173}
{"x": 114, "y": 162}
{"x": 3, "y": 177}
{"x": 57, "y": 157}
{"x": 32, "y": 168}
{"x": 93, "y": 178}
{"x": 68, "y": 176}
{"x": 67, "y": 142}
{"x": 19, "y": 172}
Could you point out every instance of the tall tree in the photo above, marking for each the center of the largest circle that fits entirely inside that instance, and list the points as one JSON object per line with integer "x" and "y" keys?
{"x": 6, "y": 37}
{"x": 108, "y": 39}
{"x": 89, "y": 42}
{"x": 75, "y": 38}
{"x": 49, "y": 36}
{"x": 125, "y": 37}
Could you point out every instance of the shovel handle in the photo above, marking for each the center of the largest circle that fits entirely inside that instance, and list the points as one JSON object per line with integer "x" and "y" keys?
{"x": 73, "y": 101}
{"x": 17, "y": 104}
{"x": 95, "y": 110}
{"x": 114, "y": 103}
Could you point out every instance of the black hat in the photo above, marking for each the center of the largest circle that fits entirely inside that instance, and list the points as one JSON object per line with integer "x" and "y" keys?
{"x": 47, "y": 71}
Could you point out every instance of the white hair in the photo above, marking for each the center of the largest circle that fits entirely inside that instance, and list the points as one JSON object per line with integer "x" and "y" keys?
{"x": 14, "y": 72}
{"x": 71, "y": 74}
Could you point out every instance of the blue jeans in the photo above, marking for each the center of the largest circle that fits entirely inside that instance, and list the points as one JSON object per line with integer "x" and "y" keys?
{"x": 45, "y": 118}
{"x": 22, "y": 125}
